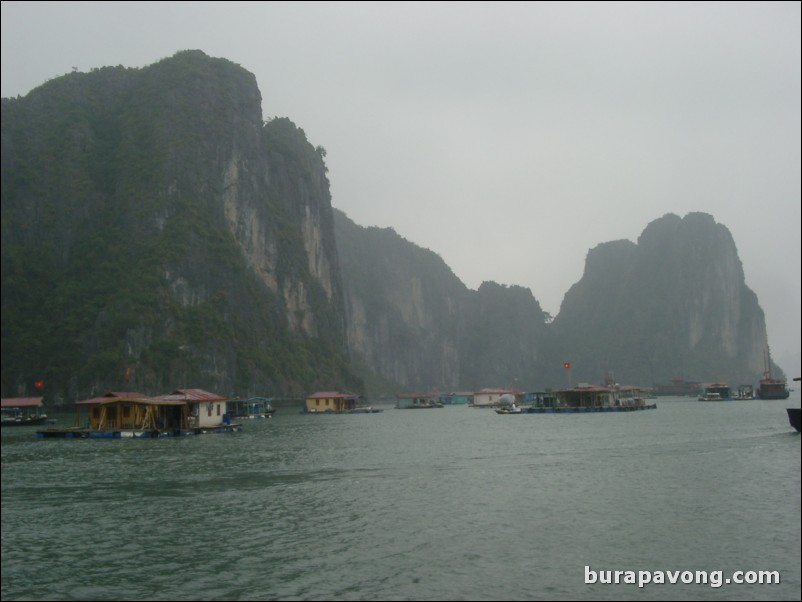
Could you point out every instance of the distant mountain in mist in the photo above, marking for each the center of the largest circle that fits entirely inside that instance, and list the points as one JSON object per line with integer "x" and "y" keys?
{"x": 674, "y": 304}
{"x": 154, "y": 226}
{"x": 411, "y": 320}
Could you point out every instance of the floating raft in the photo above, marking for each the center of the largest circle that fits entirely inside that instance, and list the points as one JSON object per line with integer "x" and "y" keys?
{"x": 85, "y": 433}
{"x": 583, "y": 410}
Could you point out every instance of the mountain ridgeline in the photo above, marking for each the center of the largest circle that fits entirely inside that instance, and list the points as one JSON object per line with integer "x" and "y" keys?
{"x": 158, "y": 234}
{"x": 673, "y": 304}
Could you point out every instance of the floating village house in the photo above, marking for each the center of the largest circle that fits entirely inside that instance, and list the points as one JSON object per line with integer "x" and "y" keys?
{"x": 131, "y": 412}
{"x": 204, "y": 409}
{"x": 457, "y": 398}
{"x": 490, "y": 398}
{"x": 599, "y": 397}
{"x": 253, "y": 407}
{"x": 126, "y": 414}
{"x": 408, "y": 401}
{"x": 587, "y": 396}
{"x": 23, "y": 410}
{"x": 330, "y": 402}
{"x": 715, "y": 392}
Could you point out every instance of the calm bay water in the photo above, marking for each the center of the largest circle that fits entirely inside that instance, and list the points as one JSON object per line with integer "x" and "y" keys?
{"x": 451, "y": 503}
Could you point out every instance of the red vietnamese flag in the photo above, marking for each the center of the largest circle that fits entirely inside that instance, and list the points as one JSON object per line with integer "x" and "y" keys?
{"x": 39, "y": 384}
{"x": 567, "y": 365}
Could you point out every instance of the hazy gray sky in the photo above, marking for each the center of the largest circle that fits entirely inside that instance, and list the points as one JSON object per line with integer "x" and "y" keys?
{"x": 509, "y": 138}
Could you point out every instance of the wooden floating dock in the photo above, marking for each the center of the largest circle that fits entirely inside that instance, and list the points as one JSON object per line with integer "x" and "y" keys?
{"x": 85, "y": 433}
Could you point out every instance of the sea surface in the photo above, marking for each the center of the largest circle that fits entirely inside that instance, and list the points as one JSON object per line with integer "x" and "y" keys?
{"x": 439, "y": 504}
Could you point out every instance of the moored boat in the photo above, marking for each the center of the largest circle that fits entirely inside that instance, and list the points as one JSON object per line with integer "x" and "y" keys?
{"x": 794, "y": 417}
{"x": 772, "y": 388}
{"x": 795, "y": 414}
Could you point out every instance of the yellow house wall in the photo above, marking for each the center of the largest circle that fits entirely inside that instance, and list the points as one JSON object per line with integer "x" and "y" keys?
{"x": 321, "y": 404}
{"x": 332, "y": 404}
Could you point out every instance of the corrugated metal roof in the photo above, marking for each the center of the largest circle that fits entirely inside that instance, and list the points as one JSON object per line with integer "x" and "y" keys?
{"x": 330, "y": 395}
{"x": 21, "y": 402}
{"x": 115, "y": 396}
{"x": 192, "y": 395}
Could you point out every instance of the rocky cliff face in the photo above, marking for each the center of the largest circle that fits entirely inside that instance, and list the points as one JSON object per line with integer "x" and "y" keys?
{"x": 153, "y": 221}
{"x": 673, "y": 304}
{"x": 404, "y": 307}
{"x": 154, "y": 225}
{"x": 411, "y": 320}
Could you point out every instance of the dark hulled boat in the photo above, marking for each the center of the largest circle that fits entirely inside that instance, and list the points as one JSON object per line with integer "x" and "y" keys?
{"x": 772, "y": 388}
{"x": 794, "y": 417}
{"x": 795, "y": 414}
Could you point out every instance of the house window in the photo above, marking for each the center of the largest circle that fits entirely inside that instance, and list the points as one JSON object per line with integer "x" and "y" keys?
{"x": 127, "y": 412}
{"x": 218, "y": 409}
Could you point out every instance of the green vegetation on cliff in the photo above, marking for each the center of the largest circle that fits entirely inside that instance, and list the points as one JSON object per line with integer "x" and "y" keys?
{"x": 152, "y": 222}
{"x": 116, "y": 250}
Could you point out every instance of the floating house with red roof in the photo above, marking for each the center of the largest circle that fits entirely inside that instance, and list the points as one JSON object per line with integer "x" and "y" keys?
{"x": 21, "y": 411}
{"x": 117, "y": 415}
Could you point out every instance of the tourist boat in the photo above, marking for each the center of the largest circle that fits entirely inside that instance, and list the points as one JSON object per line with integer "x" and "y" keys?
{"x": 23, "y": 411}
{"x": 772, "y": 388}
